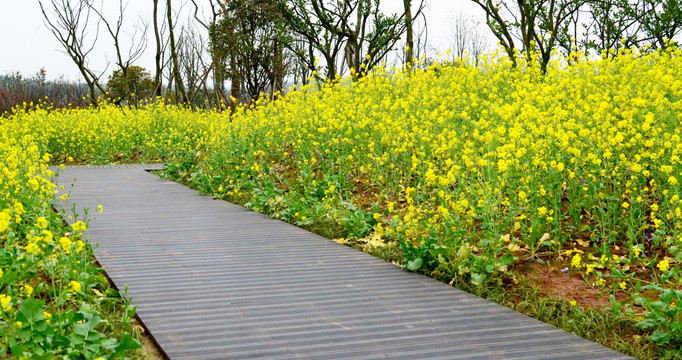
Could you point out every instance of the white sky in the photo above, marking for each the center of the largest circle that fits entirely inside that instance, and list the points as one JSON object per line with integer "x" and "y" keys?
{"x": 27, "y": 45}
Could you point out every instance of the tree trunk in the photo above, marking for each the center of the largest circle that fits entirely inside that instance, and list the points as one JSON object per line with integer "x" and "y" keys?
{"x": 235, "y": 81}
{"x": 409, "y": 32}
{"x": 158, "y": 87}
{"x": 174, "y": 56}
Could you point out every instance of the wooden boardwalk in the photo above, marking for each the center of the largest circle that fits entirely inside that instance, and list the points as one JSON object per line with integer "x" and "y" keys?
{"x": 214, "y": 280}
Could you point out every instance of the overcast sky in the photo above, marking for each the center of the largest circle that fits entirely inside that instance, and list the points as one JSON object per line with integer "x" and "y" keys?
{"x": 27, "y": 45}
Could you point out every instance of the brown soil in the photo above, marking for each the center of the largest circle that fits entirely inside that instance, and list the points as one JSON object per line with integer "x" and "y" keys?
{"x": 150, "y": 350}
{"x": 565, "y": 285}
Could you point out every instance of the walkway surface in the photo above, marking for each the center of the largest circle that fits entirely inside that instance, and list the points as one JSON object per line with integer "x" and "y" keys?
{"x": 214, "y": 280}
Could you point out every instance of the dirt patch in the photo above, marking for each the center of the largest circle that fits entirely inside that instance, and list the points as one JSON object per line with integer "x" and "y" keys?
{"x": 553, "y": 282}
{"x": 150, "y": 350}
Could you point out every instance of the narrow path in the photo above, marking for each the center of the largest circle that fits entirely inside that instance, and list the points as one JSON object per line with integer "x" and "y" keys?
{"x": 214, "y": 280}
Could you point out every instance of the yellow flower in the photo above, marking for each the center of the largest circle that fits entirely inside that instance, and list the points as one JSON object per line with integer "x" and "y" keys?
{"x": 65, "y": 243}
{"x": 4, "y": 301}
{"x": 573, "y": 303}
{"x": 637, "y": 251}
{"x": 542, "y": 211}
{"x": 79, "y": 246}
{"x": 19, "y": 208}
{"x": 576, "y": 260}
{"x": 663, "y": 265}
{"x": 32, "y": 248}
{"x": 75, "y": 286}
{"x": 672, "y": 180}
{"x": 48, "y": 236}
{"x": 590, "y": 268}
{"x": 41, "y": 223}
{"x": 47, "y": 315}
{"x": 100, "y": 208}
{"x": 33, "y": 183}
{"x": 4, "y": 221}
{"x": 625, "y": 205}
{"x": 27, "y": 289}
{"x": 79, "y": 226}
{"x": 622, "y": 285}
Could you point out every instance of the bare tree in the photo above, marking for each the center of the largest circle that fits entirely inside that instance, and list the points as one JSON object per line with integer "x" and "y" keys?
{"x": 467, "y": 38}
{"x": 158, "y": 54}
{"x": 662, "y": 21}
{"x": 374, "y": 34}
{"x": 69, "y": 22}
{"x": 351, "y": 32}
{"x": 461, "y": 31}
{"x": 409, "y": 31}
{"x": 194, "y": 67}
{"x": 478, "y": 42}
{"x": 138, "y": 42}
{"x": 539, "y": 25}
{"x": 177, "y": 76}
{"x": 216, "y": 8}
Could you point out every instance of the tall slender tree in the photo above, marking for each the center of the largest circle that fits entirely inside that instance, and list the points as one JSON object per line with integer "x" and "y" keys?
{"x": 177, "y": 76}
{"x": 69, "y": 22}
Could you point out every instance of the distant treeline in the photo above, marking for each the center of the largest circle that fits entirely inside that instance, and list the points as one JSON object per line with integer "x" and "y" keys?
{"x": 17, "y": 90}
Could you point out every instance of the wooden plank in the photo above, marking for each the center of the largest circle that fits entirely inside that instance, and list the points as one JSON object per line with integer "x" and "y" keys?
{"x": 214, "y": 280}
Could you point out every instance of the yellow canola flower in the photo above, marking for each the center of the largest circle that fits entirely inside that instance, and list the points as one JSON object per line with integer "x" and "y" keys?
{"x": 65, "y": 244}
{"x": 27, "y": 289}
{"x": 4, "y": 301}
{"x": 41, "y": 223}
{"x": 663, "y": 265}
{"x": 4, "y": 221}
{"x": 75, "y": 286}
{"x": 79, "y": 246}
{"x": 79, "y": 226}
{"x": 33, "y": 183}
{"x": 47, "y": 236}
{"x": 576, "y": 261}
{"x": 32, "y": 248}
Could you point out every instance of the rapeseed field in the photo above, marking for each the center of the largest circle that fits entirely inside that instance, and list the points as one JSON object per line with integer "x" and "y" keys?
{"x": 469, "y": 171}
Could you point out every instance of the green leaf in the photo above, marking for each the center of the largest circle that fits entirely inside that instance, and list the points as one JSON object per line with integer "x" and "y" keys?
{"x": 507, "y": 259}
{"x": 477, "y": 279}
{"x": 127, "y": 344}
{"x": 660, "y": 337}
{"x": 415, "y": 264}
{"x": 30, "y": 310}
{"x": 33, "y": 321}
{"x": 91, "y": 318}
